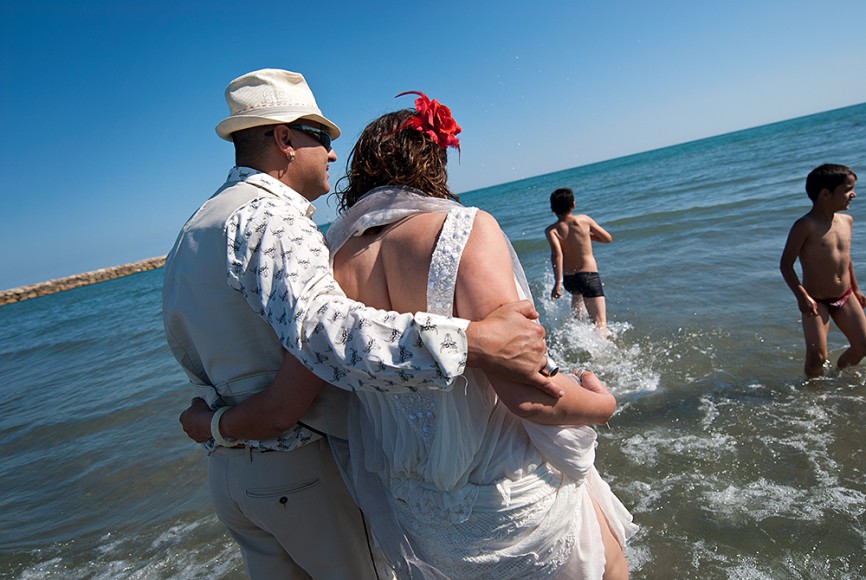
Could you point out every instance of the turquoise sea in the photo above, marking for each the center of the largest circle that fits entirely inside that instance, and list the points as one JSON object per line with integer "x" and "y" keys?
{"x": 732, "y": 464}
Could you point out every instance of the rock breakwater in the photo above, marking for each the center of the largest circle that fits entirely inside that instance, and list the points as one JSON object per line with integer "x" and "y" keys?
{"x": 70, "y": 282}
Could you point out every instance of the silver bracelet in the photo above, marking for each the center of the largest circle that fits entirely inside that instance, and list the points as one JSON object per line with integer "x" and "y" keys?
{"x": 215, "y": 429}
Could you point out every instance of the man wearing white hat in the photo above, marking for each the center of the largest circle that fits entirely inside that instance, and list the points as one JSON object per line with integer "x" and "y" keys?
{"x": 247, "y": 282}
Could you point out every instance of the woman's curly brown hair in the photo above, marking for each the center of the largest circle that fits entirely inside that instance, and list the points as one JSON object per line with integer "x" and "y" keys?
{"x": 387, "y": 155}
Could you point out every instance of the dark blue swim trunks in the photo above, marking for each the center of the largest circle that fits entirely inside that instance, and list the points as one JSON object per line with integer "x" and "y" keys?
{"x": 587, "y": 284}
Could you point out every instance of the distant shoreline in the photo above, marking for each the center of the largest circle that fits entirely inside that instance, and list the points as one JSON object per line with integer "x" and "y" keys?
{"x": 70, "y": 282}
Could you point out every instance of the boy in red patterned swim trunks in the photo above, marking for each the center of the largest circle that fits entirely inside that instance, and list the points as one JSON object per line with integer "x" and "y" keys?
{"x": 821, "y": 239}
{"x": 570, "y": 239}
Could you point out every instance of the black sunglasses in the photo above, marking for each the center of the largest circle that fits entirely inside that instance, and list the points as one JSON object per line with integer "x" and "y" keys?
{"x": 319, "y": 135}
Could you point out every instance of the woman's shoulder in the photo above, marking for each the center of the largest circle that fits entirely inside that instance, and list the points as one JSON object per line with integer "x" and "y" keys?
{"x": 481, "y": 218}
{"x": 422, "y": 231}
{"x": 417, "y": 232}
{"x": 484, "y": 224}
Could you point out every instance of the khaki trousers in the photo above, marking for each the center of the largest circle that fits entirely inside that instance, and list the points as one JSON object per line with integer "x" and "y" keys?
{"x": 291, "y": 514}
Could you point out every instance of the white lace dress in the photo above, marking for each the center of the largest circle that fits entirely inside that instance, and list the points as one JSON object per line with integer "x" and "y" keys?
{"x": 453, "y": 483}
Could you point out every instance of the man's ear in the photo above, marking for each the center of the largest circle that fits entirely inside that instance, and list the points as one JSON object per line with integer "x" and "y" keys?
{"x": 283, "y": 138}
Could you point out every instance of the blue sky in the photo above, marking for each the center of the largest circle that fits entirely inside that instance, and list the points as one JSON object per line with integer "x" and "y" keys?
{"x": 109, "y": 107}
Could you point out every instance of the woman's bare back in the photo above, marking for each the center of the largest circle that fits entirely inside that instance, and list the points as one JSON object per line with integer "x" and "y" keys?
{"x": 388, "y": 268}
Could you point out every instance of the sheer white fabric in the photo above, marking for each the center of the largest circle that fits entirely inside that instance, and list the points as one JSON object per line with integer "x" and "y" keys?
{"x": 454, "y": 484}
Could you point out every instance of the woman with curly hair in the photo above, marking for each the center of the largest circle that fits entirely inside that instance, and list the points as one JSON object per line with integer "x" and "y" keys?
{"x": 481, "y": 480}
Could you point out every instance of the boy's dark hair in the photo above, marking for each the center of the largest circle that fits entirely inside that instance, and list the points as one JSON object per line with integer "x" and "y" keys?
{"x": 561, "y": 201}
{"x": 828, "y": 176}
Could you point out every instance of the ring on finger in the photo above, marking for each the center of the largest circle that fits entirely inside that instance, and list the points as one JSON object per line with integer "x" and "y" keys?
{"x": 551, "y": 367}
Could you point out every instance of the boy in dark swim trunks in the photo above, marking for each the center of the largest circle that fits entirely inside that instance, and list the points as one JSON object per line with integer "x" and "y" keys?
{"x": 574, "y": 267}
{"x": 821, "y": 239}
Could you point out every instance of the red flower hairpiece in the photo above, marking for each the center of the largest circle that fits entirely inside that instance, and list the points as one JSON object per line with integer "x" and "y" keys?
{"x": 434, "y": 120}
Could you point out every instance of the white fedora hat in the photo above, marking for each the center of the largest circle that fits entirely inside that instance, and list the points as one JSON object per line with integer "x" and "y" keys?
{"x": 268, "y": 97}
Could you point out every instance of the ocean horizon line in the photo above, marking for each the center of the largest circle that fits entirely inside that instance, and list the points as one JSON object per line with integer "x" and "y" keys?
{"x": 626, "y": 156}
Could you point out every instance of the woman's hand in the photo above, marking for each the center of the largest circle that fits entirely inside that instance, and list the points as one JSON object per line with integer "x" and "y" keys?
{"x": 195, "y": 420}
{"x": 590, "y": 381}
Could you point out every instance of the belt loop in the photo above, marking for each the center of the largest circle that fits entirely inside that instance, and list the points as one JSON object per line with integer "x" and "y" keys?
{"x": 249, "y": 451}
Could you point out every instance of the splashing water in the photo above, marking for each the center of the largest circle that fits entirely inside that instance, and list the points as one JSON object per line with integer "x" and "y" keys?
{"x": 575, "y": 342}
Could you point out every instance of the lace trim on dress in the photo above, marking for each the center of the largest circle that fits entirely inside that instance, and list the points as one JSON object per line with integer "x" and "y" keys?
{"x": 442, "y": 278}
{"x": 420, "y": 408}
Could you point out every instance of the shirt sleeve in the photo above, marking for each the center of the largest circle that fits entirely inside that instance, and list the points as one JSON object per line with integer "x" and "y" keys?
{"x": 278, "y": 260}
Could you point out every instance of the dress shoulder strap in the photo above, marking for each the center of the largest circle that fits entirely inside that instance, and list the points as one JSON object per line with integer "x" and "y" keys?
{"x": 442, "y": 277}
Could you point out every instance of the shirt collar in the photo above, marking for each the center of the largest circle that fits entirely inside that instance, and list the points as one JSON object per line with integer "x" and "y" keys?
{"x": 273, "y": 186}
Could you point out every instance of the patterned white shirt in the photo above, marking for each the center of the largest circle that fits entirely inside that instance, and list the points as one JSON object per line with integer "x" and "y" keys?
{"x": 278, "y": 259}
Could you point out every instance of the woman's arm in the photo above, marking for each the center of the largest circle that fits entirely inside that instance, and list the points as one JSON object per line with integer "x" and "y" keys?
{"x": 485, "y": 280}
{"x": 263, "y": 415}
{"x": 586, "y": 401}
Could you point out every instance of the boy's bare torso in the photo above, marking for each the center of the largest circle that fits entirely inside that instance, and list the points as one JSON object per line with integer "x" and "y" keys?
{"x": 576, "y": 242}
{"x": 825, "y": 256}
